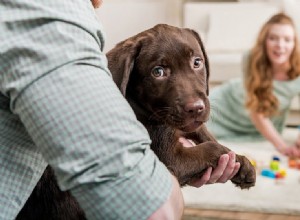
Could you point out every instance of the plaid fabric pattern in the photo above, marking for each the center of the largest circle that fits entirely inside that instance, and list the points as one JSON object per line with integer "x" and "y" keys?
{"x": 59, "y": 105}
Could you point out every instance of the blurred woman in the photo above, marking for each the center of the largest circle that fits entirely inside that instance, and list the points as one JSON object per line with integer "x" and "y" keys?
{"x": 257, "y": 106}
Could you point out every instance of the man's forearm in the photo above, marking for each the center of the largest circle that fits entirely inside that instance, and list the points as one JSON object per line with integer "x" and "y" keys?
{"x": 172, "y": 209}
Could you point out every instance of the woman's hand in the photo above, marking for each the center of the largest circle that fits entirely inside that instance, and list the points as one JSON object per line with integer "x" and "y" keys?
{"x": 292, "y": 151}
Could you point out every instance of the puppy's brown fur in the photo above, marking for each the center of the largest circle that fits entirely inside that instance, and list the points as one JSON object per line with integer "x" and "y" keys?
{"x": 163, "y": 72}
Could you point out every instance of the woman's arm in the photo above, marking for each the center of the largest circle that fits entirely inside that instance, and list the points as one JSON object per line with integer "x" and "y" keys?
{"x": 267, "y": 129}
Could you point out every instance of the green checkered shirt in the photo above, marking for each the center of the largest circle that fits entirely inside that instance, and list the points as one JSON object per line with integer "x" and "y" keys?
{"x": 59, "y": 105}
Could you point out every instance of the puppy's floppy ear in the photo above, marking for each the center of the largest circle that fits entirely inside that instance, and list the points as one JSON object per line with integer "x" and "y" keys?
{"x": 205, "y": 57}
{"x": 121, "y": 60}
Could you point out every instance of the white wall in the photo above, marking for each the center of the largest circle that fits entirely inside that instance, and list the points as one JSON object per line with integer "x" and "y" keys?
{"x": 124, "y": 18}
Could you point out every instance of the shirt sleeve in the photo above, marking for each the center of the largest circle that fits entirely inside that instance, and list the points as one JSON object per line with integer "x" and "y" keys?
{"x": 57, "y": 80}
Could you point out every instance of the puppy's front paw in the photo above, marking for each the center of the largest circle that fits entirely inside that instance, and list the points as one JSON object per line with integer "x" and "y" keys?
{"x": 246, "y": 176}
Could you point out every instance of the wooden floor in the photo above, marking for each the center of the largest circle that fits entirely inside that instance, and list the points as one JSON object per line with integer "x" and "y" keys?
{"x": 197, "y": 214}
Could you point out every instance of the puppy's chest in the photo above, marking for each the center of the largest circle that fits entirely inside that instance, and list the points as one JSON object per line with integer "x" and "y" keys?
{"x": 166, "y": 138}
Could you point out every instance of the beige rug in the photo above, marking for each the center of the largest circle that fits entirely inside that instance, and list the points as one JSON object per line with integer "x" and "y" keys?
{"x": 268, "y": 196}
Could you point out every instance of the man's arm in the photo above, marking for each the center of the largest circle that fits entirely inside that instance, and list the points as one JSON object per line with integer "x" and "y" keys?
{"x": 172, "y": 209}
{"x": 56, "y": 77}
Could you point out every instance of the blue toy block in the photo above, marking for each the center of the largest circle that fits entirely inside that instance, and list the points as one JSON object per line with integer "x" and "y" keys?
{"x": 268, "y": 173}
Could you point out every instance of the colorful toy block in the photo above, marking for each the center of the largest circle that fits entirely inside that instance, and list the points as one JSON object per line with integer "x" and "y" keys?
{"x": 274, "y": 170}
{"x": 294, "y": 163}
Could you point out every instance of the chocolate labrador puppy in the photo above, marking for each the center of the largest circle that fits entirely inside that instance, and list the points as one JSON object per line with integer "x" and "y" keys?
{"x": 163, "y": 73}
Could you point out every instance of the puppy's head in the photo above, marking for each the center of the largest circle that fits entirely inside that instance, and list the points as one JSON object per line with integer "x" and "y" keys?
{"x": 164, "y": 70}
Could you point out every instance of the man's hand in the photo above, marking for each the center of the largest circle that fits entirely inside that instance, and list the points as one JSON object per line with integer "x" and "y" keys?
{"x": 227, "y": 168}
{"x": 96, "y": 3}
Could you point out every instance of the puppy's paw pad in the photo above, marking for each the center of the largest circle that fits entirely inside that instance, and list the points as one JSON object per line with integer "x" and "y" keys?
{"x": 246, "y": 177}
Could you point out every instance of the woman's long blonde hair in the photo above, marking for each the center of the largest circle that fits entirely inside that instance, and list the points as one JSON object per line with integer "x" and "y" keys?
{"x": 259, "y": 78}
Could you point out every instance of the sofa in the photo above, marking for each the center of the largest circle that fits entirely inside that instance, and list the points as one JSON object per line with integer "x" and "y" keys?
{"x": 228, "y": 30}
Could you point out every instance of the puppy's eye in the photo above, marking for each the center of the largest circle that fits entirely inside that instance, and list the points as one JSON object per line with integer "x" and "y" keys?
{"x": 158, "y": 72}
{"x": 198, "y": 62}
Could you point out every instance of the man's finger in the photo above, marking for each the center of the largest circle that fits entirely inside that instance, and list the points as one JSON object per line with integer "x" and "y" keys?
{"x": 203, "y": 180}
{"x": 235, "y": 170}
{"x": 218, "y": 171}
{"x": 229, "y": 168}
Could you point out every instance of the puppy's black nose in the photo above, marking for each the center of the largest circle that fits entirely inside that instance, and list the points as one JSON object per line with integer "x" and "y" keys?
{"x": 195, "y": 107}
